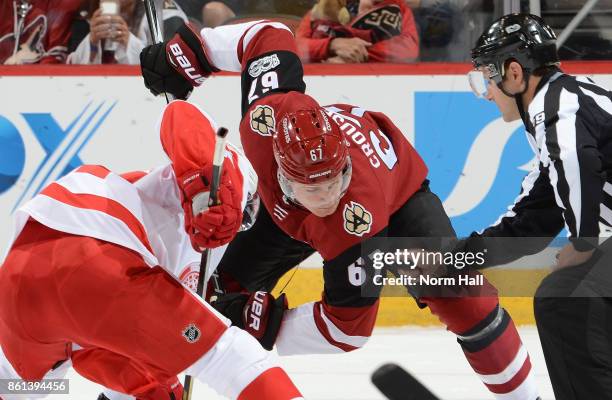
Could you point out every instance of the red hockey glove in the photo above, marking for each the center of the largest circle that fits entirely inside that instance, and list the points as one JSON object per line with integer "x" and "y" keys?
{"x": 259, "y": 313}
{"x": 214, "y": 226}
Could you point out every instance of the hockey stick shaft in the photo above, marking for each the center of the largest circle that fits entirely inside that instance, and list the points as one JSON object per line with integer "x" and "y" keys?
{"x": 155, "y": 29}
{"x": 153, "y": 22}
{"x": 218, "y": 157}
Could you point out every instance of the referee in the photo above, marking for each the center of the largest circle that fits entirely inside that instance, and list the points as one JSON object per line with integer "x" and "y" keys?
{"x": 569, "y": 127}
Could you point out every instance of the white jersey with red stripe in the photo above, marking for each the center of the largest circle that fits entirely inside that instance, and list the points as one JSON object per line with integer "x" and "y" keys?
{"x": 145, "y": 216}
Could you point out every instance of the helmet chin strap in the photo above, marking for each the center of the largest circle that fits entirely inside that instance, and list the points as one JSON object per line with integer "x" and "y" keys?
{"x": 518, "y": 97}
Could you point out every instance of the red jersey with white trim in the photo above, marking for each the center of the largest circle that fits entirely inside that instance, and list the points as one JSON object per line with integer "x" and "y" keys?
{"x": 387, "y": 170}
{"x": 44, "y": 34}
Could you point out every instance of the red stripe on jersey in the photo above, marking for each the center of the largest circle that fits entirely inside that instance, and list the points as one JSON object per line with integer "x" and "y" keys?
{"x": 268, "y": 39}
{"x": 240, "y": 49}
{"x": 352, "y": 321}
{"x": 322, "y": 326}
{"x": 133, "y": 176}
{"x": 272, "y": 384}
{"x": 95, "y": 170}
{"x": 513, "y": 383}
{"x": 98, "y": 203}
{"x": 494, "y": 358}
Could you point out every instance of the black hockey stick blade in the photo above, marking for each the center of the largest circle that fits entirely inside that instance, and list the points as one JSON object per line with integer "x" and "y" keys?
{"x": 397, "y": 384}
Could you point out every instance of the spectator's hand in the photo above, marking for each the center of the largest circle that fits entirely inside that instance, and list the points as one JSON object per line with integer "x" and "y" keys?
{"x": 568, "y": 256}
{"x": 334, "y": 60}
{"x": 111, "y": 27}
{"x": 413, "y": 3}
{"x": 121, "y": 30}
{"x": 350, "y": 49}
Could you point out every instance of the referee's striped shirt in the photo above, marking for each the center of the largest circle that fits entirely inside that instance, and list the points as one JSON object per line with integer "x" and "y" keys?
{"x": 569, "y": 127}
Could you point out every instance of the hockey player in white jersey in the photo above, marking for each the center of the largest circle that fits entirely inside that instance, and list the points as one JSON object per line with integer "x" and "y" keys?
{"x": 88, "y": 281}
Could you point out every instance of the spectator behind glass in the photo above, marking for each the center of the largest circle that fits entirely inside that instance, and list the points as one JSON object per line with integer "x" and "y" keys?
{"x": 35, "y": 31}
{"x": 363, "y": 31}
{"x": 118, "y": 38}
{"x": 212, "y": 13}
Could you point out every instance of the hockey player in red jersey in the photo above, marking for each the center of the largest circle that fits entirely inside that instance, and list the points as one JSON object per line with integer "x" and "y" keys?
{"x": 89, "y": 282}
{"x": 330, "y": 178}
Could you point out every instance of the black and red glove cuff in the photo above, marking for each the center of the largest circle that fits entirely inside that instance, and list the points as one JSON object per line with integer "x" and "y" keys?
{"x": 185, "y": 51}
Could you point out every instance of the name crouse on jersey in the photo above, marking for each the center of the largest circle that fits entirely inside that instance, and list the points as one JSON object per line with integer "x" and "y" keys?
{"x": 387, "y": 170}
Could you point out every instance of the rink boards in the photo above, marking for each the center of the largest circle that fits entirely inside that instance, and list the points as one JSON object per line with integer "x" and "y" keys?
{"x": 53, "y": 119}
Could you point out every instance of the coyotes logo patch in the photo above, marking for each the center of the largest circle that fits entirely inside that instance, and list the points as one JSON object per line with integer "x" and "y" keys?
{"x": 357, "y": 220}
{"x": 262, "y": 120}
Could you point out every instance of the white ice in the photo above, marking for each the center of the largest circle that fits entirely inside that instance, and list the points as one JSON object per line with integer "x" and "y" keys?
{"x": 431, "y": 354}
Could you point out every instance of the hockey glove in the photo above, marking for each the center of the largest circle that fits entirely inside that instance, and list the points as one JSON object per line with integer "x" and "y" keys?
{"x": 210, "y": 227}
{"x": 177, "y": 66}
{"x": 259, "y": 313}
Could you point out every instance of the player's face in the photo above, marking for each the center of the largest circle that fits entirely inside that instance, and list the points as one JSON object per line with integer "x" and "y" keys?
{"x": 322, "y": 198}
{"x": 484, "y": 87}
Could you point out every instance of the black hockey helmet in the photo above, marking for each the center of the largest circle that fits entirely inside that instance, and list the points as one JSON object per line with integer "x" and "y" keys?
{"x": 525, "y": 38}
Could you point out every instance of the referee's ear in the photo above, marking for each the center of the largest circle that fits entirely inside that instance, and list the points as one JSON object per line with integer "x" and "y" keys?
{"x": 514, "y": 78}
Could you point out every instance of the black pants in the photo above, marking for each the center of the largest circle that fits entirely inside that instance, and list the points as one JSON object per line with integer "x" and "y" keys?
{"x": 259, "y": 257}
{"x": 573, "y": 310}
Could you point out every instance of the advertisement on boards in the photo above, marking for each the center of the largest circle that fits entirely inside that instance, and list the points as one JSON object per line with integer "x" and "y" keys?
{"x": 53, "y": 124}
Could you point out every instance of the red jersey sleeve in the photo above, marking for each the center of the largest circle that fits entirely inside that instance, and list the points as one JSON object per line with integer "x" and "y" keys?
{"x": 188, "y": 137}
{"x": 264, "y": 51}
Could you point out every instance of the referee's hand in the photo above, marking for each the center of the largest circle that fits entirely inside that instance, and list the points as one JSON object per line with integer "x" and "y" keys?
{"x": 568, "y": 256}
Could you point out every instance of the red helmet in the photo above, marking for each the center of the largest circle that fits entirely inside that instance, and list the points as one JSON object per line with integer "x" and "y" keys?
{"x": 310, "y": 148}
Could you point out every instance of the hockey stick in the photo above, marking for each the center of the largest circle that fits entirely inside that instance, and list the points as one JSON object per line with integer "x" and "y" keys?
{"x": 213, "y": 200}
{"x": 155, "y": 29}
{"x": 397, "y": 384}
{"x": 218, "y": 155}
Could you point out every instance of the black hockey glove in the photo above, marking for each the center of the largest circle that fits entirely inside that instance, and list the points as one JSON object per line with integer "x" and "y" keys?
{"x": 259, "y": 313}
{"x": 159, "y": 76}
{"x": 176, "y": 66}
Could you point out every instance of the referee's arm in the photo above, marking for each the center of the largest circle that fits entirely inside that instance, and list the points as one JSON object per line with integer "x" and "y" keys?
{"x": 574, "y": 162}
{"x": 528, "y": 226}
